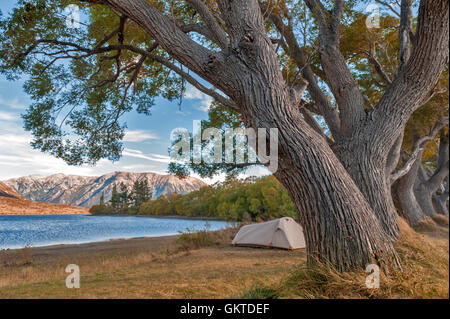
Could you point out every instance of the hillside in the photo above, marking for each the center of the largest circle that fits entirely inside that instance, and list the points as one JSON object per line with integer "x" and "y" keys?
{"x": 86, "y": 190}
{"x": 11, "y": 203}
{"x": 6, "y": 191}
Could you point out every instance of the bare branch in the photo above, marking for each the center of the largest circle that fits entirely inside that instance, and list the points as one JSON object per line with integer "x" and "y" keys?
{"x": 291, "y": 47}
{"x": 342, "y": 84}
{"x": 417, "y": 150}
{"x": 219, "y": 98}
{"x": 404, "y": 33}
{"x": 389, "y": 6}
{"x": 198, "y": 28}
{"x": 218, "y": 34}
{"x": 378, "y": 67}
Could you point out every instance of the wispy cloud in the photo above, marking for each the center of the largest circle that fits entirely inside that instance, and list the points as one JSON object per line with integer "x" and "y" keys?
{"x": 151, "y": 157}
{"x": 12, "y": 103}
{"x": 201, "y": 101}
{"x": 18, "y": 158}
{"x": 4, "y": 116}
{"x": 139, "y": 136}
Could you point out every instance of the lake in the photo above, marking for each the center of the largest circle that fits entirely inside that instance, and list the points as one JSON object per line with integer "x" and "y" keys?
{"x": 17, "y": 231}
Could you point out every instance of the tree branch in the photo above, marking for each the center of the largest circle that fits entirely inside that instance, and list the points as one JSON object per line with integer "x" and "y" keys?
{"x": 218, "y": 34}
{"x": 404, "y": 33}
{"x": 417, "y": 150}
{"x": 394, "y": 155}
{"x": 291, "y": 47}
{"x": 378, "y": 67}
{"x": 313, "y": 123}
{"x": 172, "y": 39}
{"x": 219, "y": 98}
{"x": 417, "y": 77}
{"x": 338, "y": 76}
{"x": 442, "y": 168}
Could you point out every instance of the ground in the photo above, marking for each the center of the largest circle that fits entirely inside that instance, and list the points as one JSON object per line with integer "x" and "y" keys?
{"x": 207, "y": 266}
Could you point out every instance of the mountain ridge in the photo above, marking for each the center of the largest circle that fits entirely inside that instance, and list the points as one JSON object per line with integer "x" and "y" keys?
{"x": 12, "y": 203}
{"x": 86, "y": 191}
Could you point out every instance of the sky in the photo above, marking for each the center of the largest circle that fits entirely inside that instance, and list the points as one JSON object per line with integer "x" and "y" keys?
{"x": 146, "y": 142}
{"x": 145, "y": 145}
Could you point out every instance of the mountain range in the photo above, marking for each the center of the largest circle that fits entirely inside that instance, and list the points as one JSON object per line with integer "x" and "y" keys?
{"x": 86, "y": 190}
{"x": 12, "y": 203}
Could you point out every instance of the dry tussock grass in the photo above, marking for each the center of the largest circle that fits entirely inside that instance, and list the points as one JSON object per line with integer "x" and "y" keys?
{"x": 193, "y": 268}
{"x": 19, "y": 206}
{"x": 441, "y": 220}
{"x": 425, "y": 273}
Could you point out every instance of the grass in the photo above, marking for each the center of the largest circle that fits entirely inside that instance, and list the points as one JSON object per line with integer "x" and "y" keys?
{"x": 425, "y": 273}
{"x": 16, "y": 258}
{"x": 204, "y": 265}
{"x": 256, "y": 292}
{"x": 190, "y": 240}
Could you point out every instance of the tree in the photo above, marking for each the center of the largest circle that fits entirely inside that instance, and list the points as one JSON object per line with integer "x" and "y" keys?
{"x": 140, "y": 193}
{"x": 413, "y": 188}
{"x": 339, "y": 184}
{"x": 102, "y": 199}
{"x": 124, "y": 198}
{"x": 115, "y": 200}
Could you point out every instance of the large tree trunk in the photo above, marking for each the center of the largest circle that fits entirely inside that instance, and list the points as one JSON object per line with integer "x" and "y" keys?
{"x": 425, "y": 187}
{"x": 405, "y": 198}
{"x": 440, "y": 202}
{"x": 340, "y": 226}
{"x": 364, "y": 151}
{"x": 424, "y": 190}
{"x": 367, "y": 166}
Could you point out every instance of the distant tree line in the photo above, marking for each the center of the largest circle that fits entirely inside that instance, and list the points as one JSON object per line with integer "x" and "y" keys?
{"x": 124, "y": 201}
{"x": 248, "y": 200}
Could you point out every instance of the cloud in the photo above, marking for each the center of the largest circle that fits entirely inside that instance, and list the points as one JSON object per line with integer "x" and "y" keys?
{"x": 12, "y": 103}
{"x": 4, "y": 116}
{"x": 139, "y": 136}
{"x": 150, "y": 157}
{"x": 18, "y": 158}
{"x": 202, "y": 101}
{"x": 255, "y": 171}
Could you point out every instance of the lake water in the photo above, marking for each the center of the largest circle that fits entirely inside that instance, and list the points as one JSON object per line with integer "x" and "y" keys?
{"x": 18, "y": 231}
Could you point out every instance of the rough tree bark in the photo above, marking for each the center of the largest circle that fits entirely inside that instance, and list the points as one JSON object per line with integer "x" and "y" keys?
{"x": 440, "y": 201}
{"x": 366, "y": 151}
{"x": 412, "y": 189}
{"x": 340, "y": 226}
{"x": 370, "y": 161}
{"x": 342, "y": 194}
{"x": 425, "y": 186}
{"x": 403, "y": 192}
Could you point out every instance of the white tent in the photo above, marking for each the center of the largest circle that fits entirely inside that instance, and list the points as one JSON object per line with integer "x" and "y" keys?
{"x": 280, "y": 233}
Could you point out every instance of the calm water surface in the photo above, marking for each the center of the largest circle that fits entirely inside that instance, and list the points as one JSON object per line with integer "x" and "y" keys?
{"x": 18, "y": 231}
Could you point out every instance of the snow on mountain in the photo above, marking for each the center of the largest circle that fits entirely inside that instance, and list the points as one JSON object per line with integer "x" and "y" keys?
{"x": 86, "y": 190}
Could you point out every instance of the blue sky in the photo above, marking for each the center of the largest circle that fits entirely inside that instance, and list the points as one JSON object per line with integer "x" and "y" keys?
{"x": 145, "y": 146}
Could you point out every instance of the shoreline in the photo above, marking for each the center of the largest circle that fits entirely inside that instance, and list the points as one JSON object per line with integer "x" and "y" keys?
{"x": 113, "y": 247}
{"x": 88, "y": 243}
{"x": 103, "y": 242}
{"x": 207, "y": 218}
{"x": 219, "y": 219}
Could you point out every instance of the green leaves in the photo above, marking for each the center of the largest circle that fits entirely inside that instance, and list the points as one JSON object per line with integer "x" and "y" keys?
{"x": 80, "y": 78}
{"x": 262, "y": 199}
